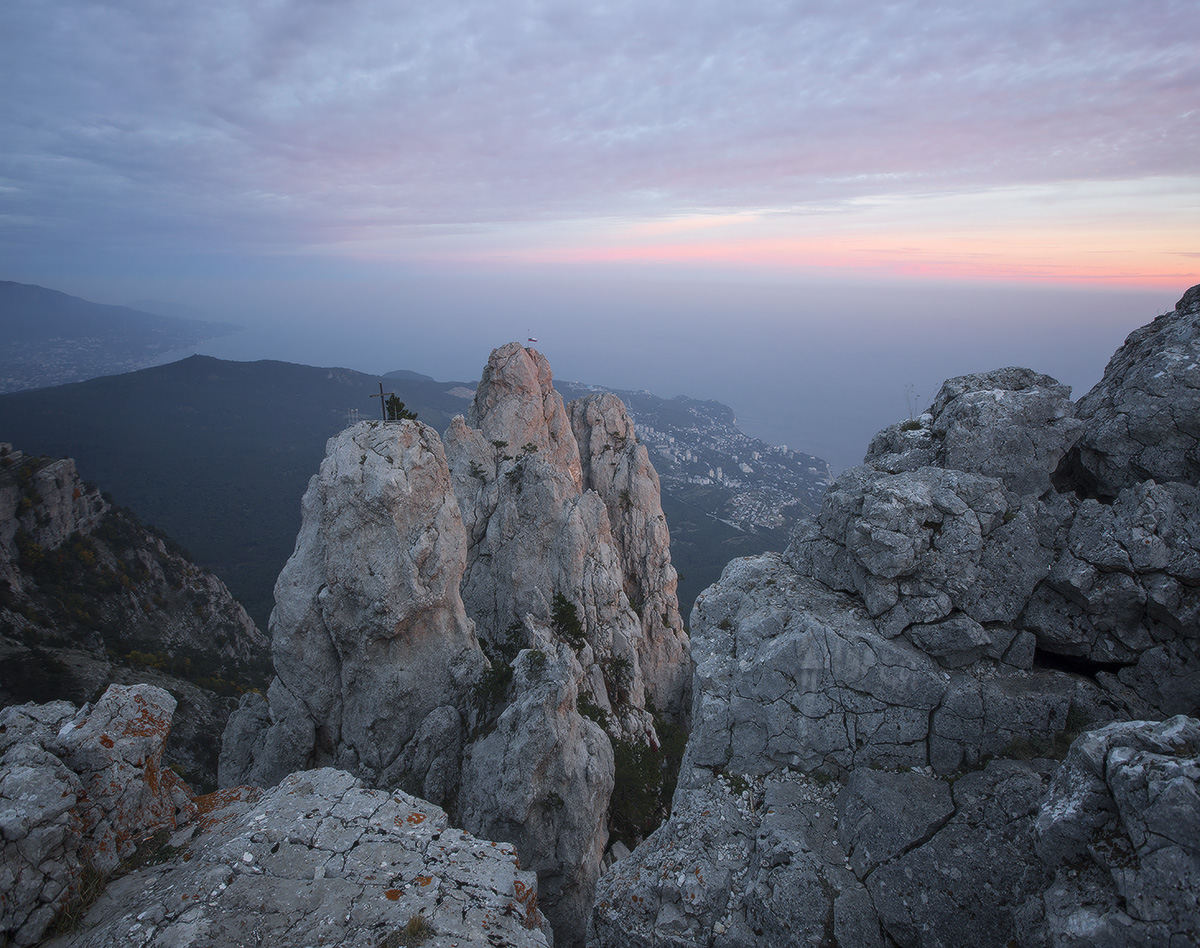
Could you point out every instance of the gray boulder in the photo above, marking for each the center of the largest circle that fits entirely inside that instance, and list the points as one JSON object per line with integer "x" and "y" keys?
{"x": 78, "y": 789}
{"x": 1143, "y": 417}
{"x": 1012, "y": 424}
{"x": 1121, "y": 829}
{"x": 924, "y": 546}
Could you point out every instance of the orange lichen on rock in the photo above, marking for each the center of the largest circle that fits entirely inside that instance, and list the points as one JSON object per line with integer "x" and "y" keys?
{"x": 209, "y": 806}
{"x": 526, "y": 895}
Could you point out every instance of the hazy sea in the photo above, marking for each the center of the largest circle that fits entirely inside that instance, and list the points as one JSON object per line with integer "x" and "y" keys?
{"x": 818, "y": 366}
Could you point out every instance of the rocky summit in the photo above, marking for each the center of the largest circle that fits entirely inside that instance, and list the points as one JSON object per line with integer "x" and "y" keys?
{"x": 478, "y": 618}
{"x": 882, "y": 712}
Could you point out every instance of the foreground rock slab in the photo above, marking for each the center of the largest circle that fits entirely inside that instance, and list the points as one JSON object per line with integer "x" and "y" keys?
{"x": 1101, "y": 850}
{"x": 319, "y": 860}
{"x": 78, "y": 788}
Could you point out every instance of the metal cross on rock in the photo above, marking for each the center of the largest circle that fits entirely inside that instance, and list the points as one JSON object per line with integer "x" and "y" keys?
{"x": 382, "y": 400}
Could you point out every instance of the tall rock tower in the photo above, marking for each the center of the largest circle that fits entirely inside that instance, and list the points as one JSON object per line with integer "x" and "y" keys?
{"x": 477, "y": 620}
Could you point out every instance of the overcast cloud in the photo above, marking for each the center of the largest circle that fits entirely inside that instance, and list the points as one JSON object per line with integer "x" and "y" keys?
{"x": 280, "y": 125}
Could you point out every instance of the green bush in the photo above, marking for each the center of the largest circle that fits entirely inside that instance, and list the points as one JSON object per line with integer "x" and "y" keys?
{"x": 564, "y": 619}
{"x": 396, "y": 410}
{"x": 645, "y": 781}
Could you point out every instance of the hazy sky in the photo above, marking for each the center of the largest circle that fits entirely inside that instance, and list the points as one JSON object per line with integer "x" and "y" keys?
{"x": 795, "y": 204}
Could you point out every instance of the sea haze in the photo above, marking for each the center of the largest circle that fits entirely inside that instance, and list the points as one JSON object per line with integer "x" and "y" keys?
{"x": 815, "y": 365}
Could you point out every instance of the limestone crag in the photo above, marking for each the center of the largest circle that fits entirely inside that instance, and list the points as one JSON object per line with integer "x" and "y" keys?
{"x": 560, "y": 501}
{"x": 542, "y": 779}
{"x": 1143, "y": 416}
{"x": 47, "y": 502}
{"x": 455, "y": 620}
{"x": 981, "y": 587}
{"x": 49, "y": 514}
{"x": 369, "y": 635}
{"x": 618, "y": 469}
{"x": 78, "y": 788}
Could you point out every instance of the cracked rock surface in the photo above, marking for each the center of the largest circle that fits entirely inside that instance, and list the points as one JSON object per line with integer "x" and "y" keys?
{"x": 879, "y": 712}
{"x": 319, "y": 859}
{"x": 78, "y": 788}
{"x": 1143, "y": 416}
{"x": 1121, "y": 830}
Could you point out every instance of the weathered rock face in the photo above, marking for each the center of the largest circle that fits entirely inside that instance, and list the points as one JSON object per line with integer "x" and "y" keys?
{"x": 1125, "y": 589}
{"x": 792, "y": 674}
{"x": 137, "y": 591}
{"x": 1143, "y": 417}
{"x": 542, "y": 779}
{"x": 408, "y": 551}
{"x": 48, "y": 502}
{"x": 792, "y": 861}
{"x": 566, "y": 502}
{"x": 77, "y": 789}
{"x": 925, "y": 622}
{"x": 369, "y": 634}
{"x": 1011, "y": 424}
{"x": 1121, "y": 828}
{"x": 618, "y": 469}
{"x": 1101, "y": 852}
{"x": 989, "y": 527}
{"x": 319, "y": 860}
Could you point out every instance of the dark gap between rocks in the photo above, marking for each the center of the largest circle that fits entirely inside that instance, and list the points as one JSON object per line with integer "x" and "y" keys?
{"x": 1075, "y": 664}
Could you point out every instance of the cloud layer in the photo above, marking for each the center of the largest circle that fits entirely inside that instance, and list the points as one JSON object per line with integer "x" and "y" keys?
{"x": 278, "y": 126}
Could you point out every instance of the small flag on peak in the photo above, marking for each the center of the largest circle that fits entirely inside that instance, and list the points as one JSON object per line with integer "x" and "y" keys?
{"x": 532, "y": 339}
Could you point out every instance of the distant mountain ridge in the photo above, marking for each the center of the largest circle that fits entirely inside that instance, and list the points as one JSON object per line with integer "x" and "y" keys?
{"x": 48, "y": 337}
{"x": 217, "y": 454}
